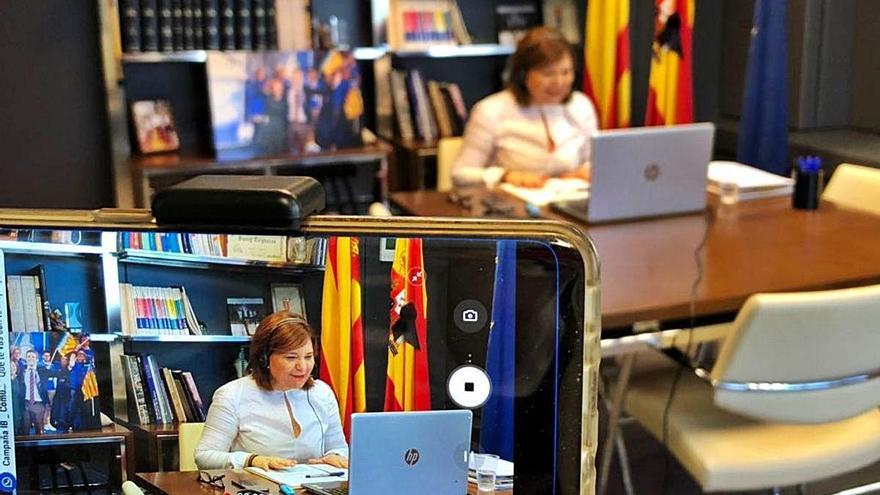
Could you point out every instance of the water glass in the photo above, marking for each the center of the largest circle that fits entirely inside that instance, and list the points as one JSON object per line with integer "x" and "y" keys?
{"x": 728, "y": 193}
{"x": 486, "y": 466}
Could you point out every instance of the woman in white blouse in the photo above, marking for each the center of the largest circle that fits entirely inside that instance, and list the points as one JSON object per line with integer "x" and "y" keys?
{"x": 277, "y": 415}
{"x": 534, "y": 129}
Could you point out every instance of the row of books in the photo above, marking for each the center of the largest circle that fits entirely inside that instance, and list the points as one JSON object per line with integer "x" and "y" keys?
{"x": 418, "y": 24}
{"x": 27, "y": 301}
{"x": 156, "y": 311}
{"x": 174, "y": 25}
{"x": 427, "y": 110}
{"x": 160, "y": 395}
{"x": 273, "y": 249}
{"x": 172, "y": 242}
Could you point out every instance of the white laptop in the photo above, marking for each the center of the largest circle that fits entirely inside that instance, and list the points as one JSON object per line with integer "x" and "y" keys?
{"x": 645, "y": 172}
{"x": 405, "y": 452}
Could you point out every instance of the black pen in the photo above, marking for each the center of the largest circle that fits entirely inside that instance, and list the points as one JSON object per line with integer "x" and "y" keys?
{"x": 337, "y": 473}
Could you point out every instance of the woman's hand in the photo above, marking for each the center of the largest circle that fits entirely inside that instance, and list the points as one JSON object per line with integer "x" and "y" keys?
{"x": 334, "y": 460}
{"x": 269, "y": 462}
{"x": 578, "y": 173}
{"x": 522, "y": 178}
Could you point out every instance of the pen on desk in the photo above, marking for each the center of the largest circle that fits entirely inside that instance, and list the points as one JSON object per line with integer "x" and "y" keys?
{"x": 286, "y": 489}
{"x": 335, "y": 473}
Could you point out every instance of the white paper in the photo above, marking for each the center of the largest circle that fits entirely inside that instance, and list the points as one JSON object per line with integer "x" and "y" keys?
{"x": 555, "y": 189}
{"x": 745, "y": 177}
{"x": 301, "y": 473}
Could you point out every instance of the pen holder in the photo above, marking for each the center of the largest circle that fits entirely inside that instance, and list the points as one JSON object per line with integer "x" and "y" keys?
{"x": 807, "y": 189}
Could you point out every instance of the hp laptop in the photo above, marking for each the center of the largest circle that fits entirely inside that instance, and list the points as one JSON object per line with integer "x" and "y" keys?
{"x": 645, "y": 172}
{"x": 406, "y": 452}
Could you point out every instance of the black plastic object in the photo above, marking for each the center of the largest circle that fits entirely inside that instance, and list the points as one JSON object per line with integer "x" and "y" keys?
{"x": 807, "y": 190}
{"x": 244, "y": 201}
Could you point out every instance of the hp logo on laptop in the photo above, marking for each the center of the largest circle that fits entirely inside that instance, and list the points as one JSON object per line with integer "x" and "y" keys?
{"x": 411, "y": 457}
{"x": 652, "y": 171}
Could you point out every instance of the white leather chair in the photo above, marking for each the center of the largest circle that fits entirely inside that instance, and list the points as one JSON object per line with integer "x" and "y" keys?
{"x": 855, "y": 187}
{"x": 188, "y": 438}
{"x": 792, "y": 398}
{"x": 447, "y": 152}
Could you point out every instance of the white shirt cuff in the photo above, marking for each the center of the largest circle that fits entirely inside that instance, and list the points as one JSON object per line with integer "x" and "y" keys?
{"x": 492, "y": 176}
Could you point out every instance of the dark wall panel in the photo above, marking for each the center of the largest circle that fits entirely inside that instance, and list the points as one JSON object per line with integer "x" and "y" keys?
{"x": 54, "y": 148}
{"x": 864, "y": 103}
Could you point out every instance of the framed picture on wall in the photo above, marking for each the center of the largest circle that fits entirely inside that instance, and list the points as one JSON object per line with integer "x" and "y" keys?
{"x": 289, "y": 297}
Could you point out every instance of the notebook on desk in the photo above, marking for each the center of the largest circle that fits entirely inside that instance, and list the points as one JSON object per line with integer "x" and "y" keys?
{"x": 406, "y": 452}
{"x": 645, "y": 172}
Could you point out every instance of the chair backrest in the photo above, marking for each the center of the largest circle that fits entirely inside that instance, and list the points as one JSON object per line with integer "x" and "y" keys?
{"x": 855, "y": 187}
{"x": 810, "y": 357}
{"x": 447, "y": 152}
{"x": 188, "y": 438}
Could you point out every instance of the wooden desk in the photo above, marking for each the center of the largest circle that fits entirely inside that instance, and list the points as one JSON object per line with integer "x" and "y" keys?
{"x": 152, "y": 172}
{"x": 647, "y": 267}
{"x": 175, "y": 482}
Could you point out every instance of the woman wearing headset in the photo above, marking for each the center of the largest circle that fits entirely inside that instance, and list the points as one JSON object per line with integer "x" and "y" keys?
{"x": 277, "y": 415}
{"x": 534, "y": 129}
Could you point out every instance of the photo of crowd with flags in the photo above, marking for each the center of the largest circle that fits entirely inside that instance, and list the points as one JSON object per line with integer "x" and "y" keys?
{"x": 54, "y": 386}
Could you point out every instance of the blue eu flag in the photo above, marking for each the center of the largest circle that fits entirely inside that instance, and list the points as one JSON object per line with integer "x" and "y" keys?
{"x": 763, "y": 130}
{"x": 496, "y": 434}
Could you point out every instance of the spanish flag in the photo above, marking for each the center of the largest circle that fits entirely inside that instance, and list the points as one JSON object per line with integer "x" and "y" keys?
{"x": 670, "y": 86}
{"x": 607, "y": 77}
{"x": 407, "y": 387}
{"x": 342, "y": 332}
{"x": 90, "y": 384}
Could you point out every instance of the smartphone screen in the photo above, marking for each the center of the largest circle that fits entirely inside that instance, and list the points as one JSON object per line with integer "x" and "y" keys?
{"x": 494, "y": 324}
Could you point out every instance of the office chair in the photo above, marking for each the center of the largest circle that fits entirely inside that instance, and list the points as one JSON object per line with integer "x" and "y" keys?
{"x": 855, "y": 187}
{"x": 447, "y": 152}
{"x": 188, "y": 437}
{"x": 793, "y": 397}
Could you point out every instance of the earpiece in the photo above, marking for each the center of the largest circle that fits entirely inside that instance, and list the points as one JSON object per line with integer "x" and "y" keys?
{"x": 294, "y": 318}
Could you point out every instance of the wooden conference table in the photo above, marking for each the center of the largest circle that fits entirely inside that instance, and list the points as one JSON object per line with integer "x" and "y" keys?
{"x": 647, "y": 267}
{"x": 175, "y": 482}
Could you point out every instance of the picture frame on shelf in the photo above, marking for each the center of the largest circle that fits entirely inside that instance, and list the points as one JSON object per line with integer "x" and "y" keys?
{"x": 153, "y": 124}
{"x": 245, "y": 314}
{"x": 289, "y": 297}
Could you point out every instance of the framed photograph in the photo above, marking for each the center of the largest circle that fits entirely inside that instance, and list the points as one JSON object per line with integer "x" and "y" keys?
{"x": 154, "y": 126}
{"x": 245, "y": 313}
{"x": 289, "y": 297}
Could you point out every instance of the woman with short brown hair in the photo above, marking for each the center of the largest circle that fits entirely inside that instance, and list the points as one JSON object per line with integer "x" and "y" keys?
{"x": 277, "y": 415}
{"x": 534, "y": 129}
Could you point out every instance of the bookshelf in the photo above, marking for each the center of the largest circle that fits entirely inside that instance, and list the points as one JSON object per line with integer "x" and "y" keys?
{"x": 91, "y": 274}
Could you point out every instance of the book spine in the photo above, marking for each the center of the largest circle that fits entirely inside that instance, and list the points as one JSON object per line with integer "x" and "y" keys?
{"x": 151, "y": 393}
{"x": 258, "y": 24}
{"x": 149, "y": 26}
{"x": 271, "y": 25}
{"x": 183, "y": 392}
{"x": 130, "y": 25}
{"x": 211, "y": 12}
{"x": 135, "y": 386}
{"x": 177, "y": 406}
{"x": 197, "y": 399}
{"x": 244, "y": 39}
{"x": 227, "y": 24}
{"x": 177, "y": 24}
{"x": 189, "y": 39}
{"x": 198, "y": 25}
{"x": 164, "y": 405}
{"x": 166, "y": 26}
{"x": 16, "y": 304}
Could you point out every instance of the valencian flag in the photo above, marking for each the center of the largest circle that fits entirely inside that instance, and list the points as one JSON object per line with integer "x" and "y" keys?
{"x": 496, "y": 433}
{"x": 90, "y": 384}
{"x": 407, "y": 387}
{"x": 607, "y": 74}
{"x": 342, "y": 332}
{"x": 65, "y": 346}
{"x": 763, "y": 131}
{"x": 670, "y": 86}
